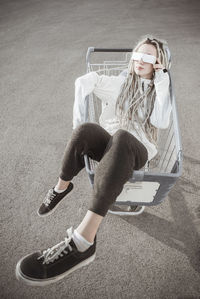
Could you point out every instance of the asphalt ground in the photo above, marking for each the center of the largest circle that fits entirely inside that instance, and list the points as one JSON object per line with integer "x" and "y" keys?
{"x": 43, "y": 47}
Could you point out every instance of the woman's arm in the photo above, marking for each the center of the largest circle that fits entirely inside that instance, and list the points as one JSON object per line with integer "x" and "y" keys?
{"x": 103, "y": 86}
{"x": 162, "y": 106}
{"x": 84, "y": 85}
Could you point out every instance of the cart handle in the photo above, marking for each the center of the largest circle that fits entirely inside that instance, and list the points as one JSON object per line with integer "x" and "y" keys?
{"x": 111, "y": 49}
{"x": 93, "y": 49}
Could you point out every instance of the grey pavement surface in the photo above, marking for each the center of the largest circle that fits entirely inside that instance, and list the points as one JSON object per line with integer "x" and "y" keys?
{"x": 43, "y": 47}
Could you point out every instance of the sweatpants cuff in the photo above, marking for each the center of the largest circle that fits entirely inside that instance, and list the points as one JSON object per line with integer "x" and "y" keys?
{"x": 99, "y": 212}
{"x": 64, "y": 177}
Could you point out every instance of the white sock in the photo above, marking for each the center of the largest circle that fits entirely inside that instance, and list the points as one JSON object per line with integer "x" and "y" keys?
{"x": 81, "y": 243}
{"x": 59, "y": 190}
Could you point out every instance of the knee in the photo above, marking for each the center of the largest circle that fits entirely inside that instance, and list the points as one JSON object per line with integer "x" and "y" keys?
{"x": 83, "y": 129}
{"x": 128, "y": 142}
{"x": 121, "y": 135}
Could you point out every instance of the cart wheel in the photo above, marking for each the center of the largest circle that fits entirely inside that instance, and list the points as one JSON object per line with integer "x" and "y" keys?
{"x": 128, "y": 210}
{"x": 136, "y": 209}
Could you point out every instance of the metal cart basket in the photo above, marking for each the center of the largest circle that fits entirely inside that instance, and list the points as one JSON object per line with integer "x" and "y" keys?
{"x": 151, "y": 184}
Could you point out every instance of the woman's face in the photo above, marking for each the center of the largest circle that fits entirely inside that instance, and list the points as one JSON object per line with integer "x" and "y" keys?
{"x": 141, "y": 68}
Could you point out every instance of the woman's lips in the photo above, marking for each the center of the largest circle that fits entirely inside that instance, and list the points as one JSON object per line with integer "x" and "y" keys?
{"x": 139, "y": 67}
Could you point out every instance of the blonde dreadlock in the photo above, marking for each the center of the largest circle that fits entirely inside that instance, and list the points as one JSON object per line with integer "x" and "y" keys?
{"x": 131, "y": 92}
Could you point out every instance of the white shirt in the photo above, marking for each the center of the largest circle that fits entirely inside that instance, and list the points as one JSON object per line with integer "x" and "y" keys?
{"x": 107, "y": 89}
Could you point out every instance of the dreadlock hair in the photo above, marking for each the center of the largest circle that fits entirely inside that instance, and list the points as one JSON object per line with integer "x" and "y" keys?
{"x": 130, "y": 91}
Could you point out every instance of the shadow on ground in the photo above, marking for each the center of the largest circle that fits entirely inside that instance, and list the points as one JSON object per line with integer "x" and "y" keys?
{"x": 181, "y": 234}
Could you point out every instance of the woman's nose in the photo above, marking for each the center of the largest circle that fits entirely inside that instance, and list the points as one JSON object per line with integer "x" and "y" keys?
{"x": 140, "y": 60}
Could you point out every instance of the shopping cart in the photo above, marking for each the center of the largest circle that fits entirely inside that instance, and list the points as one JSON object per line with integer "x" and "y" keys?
{"x": 150, "y": 185}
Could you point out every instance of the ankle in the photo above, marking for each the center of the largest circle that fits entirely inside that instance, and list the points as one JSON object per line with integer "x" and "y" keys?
{"x": 87, "y": 237}
{"x": 62, "y": 185}
{"x": 81, "y": 243}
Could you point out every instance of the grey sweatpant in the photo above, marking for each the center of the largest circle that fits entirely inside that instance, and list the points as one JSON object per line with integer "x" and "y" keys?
{"x": 118, "y": 156}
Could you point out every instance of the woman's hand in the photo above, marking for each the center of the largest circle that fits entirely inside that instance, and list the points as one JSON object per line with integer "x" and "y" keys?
{"x": 158, "y": 66}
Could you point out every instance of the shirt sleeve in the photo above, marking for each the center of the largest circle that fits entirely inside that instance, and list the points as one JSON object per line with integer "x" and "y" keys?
{"x": 102, "y": 86}
{"x": 160, "y": 116}
{"x": 84, "y": 85}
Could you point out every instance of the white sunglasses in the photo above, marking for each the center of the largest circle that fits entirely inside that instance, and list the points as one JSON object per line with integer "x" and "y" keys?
{"x": 145, "y": 57}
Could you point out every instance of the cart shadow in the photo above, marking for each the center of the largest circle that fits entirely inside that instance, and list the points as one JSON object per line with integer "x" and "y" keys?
{"x": 181, "y": 234}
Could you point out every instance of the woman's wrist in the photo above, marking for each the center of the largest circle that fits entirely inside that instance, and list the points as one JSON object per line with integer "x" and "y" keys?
{"x": 161, "y": 76}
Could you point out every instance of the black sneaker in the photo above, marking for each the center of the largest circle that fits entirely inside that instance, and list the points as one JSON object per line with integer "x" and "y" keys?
{"x": 44, "y": 267}
{"x": 52, "y": 199}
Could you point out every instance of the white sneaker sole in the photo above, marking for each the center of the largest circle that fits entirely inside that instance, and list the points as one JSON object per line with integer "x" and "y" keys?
{"x": 52, "y": 211}
{"x": 43, "y": 282}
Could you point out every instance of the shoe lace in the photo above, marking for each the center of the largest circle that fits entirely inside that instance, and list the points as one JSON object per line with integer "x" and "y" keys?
{"x": 58, "y": 250}
{"x": 50, "y": 195}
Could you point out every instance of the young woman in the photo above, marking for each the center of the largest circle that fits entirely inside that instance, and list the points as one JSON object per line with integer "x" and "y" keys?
{"x": 135, "y": 105}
